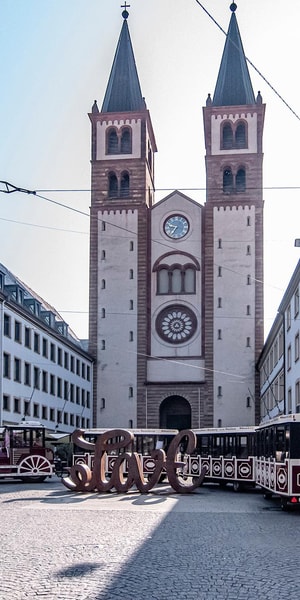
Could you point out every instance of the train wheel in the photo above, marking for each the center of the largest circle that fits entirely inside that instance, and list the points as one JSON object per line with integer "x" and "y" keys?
{"x": 267, "y": 495}
{"x": 284, "y": 504}
{"x": 35, "y": 468}
{"x": 237, "y": 487}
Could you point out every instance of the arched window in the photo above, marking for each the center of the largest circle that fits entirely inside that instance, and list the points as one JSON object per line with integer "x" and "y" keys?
{"x": 227, "y": 137}
{"x": 240, "y": 180}
{"x": 190, "y": 280}
{"x": 240, "y": 136}
{"x": 124, "y": 185}
{"x": 126, "y": 141}
{"x": 112, "y": 185}
{"x": 112, "y": 142}
{"x": 227, "y": 181}
{"x": 176, "y": 279}
{"x": 163, "y": 281}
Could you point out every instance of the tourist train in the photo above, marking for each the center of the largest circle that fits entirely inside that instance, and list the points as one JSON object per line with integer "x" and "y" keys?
{"x": 267, "y": 455}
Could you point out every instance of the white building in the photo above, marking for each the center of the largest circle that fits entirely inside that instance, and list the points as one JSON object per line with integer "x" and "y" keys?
{"x": 46, "y": 375}
{"x": 279, "y": 363}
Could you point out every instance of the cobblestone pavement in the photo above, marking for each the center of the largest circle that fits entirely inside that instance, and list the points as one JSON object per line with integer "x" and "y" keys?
{"x": 210, "y": 545}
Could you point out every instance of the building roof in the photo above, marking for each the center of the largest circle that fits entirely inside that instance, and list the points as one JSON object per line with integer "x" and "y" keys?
{"x": 123, "y": 92}
{"x": 45, "y": 311}
{"x": 233, "y": 85}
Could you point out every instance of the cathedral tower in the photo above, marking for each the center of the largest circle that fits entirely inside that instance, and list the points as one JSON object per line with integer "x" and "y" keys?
{"x": 122, "y": 164}
{"x": 233, "y": 130}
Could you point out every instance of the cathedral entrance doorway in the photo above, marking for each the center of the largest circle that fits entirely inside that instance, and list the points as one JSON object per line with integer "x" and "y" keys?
{"x": 175, "y": 413}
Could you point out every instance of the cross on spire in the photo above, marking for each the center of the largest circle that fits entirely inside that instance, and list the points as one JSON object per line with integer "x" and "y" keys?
{"x": 125, "y": 13}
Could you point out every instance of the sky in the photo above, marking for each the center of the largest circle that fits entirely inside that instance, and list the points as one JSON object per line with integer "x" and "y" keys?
{"x": 55, "y": 60}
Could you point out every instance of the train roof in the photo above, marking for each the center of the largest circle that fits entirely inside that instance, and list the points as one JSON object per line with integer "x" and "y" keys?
{"x": 293, "y": 418}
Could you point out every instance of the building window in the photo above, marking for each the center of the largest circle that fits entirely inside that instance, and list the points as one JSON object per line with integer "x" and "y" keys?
{"x": 77, "y": 394}
{"x": 124, "y": 190}
{"x": 72, "y": 359}
{"x": 248, "y": 279}
{"x": 36, "y": 410}
{"x": 44, "y": 381}
{"x": 227, "y": 137}
{"x": 103, "y": 255}
{"x": 219, "y": 243}
{"x": 227, "y": 181}
{"x": 296, "y": 347}
{"x": 102, "y": 344}
{"x": 112, "y": 185}
{"x": 219, "y": 334}
{"x": 66, "y": 390}
{"x": 36, "y": 343}
{"x": 240, "y": 136}
{"x": 66, "y": 360}
{"x": 288, "y": 317}
{"x": 219, "y": 271}
{"x": 88, "y": 373}
{"x": 17, "y": 405}
{"x": 131, "y": 336}
{"x": 248, "y": 311}
{"x": 59, "y": 356}
{"x": 36, "y": 378}
{"x": 6, "y": 402}
{"x": 45, "y": 413}
{"x": 130, "y": 304}
{"x": 45, "y": 347}
{"x": 52, "y": 352}
{"x": 112, "y": 141}
{"x": 6, "y": 365}
{"x": 27, "y": 373}
{"x": 297, "y": 396}
{"x": 296, "y": 303}
{"x": 125, "y": 145}
{"x": 88, "y": 399}
{"x": 83, "y": 370}
{"x": 130, "y": 273}
{"x": 72, "y": 420}
{"x": 52, "y": 385}
{"x": 289, "y": 357}
{"x": 103, "y": 285}
{"x": 77, "y": 366}
{"x": 176, "y": 279}
{"x": 6, "y": 325}
{"x": 27, "y": 338}
{"x": 240, "y": 180}
{"x": 17, "y": 370}
{"x": 103, "y": 226}
{"x": 131, "y": 246}
{"x": 72, "y": 392}
{"x": 219, "y": 422}
{"x": 248, "y": 402}
{"x": 248, "y": 250}
{"x": 219, "y": 302}
{"x": 52, "y": 414}
{"x": 130, "y": 392}
{"x": 59, "y": 387}
{"x": 102, "y": 404}
{"x": 82, "y": 397}
{"x": 219, "y": 391}
{"x": 248, "y": 342}
{"x": 18, "y": 331}
{"x": 248, "y": 221}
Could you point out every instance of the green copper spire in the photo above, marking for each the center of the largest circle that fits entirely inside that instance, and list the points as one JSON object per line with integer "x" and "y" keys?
{"x": 233, "y": 85}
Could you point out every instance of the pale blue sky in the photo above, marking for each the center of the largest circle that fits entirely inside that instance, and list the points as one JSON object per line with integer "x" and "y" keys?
{"x": 55, "y": 59}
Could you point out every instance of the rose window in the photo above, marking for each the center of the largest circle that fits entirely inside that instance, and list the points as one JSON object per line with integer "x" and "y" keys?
{"x": 176, "y": 324}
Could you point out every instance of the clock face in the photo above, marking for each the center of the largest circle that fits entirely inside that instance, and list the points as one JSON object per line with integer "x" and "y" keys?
{"x": 176, "y": 324}
{"x": 176, "y": 227}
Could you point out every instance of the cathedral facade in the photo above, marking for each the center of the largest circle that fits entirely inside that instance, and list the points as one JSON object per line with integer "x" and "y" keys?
{"x": 176, "y": 293}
